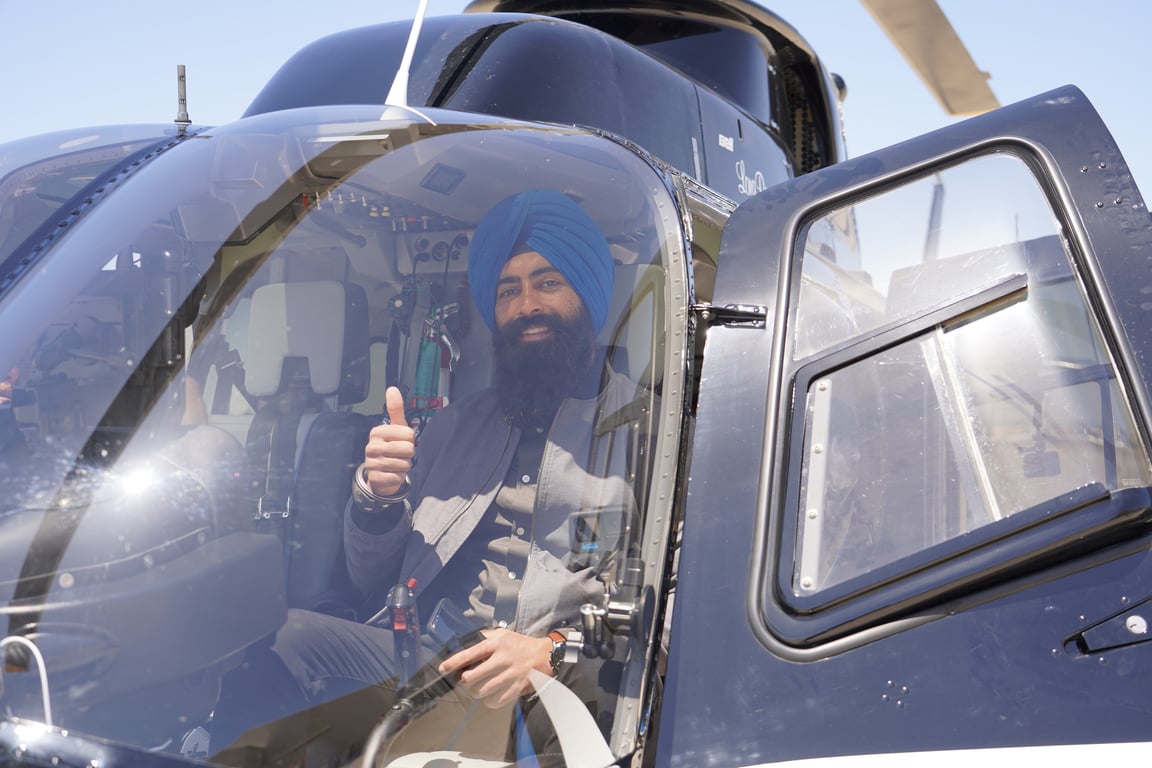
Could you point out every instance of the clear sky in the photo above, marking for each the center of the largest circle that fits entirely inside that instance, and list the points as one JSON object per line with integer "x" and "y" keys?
{"x": 71, "y": 64}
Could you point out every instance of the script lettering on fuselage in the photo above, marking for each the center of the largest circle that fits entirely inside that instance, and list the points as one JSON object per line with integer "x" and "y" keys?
{"x": 749, "y": 185}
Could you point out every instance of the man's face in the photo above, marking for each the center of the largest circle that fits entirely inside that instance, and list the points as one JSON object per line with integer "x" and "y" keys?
{"x": 544, "y": 342}
{"x": 530, "y": 287}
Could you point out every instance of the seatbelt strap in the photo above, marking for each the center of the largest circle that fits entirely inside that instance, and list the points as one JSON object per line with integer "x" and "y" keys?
{"x": 229, "y": 376}
{"x": 280, "y": 477}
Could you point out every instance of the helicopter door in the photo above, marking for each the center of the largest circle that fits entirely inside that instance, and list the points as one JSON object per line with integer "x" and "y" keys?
{"x": 919, "y": 502}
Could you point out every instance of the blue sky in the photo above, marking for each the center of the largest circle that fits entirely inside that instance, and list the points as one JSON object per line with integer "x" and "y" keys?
{"x": 71, "y": 64}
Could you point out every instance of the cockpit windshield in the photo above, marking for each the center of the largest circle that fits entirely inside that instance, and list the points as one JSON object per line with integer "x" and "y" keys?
{"x": 41, "y": 174}
{"x": 332, "y": 433}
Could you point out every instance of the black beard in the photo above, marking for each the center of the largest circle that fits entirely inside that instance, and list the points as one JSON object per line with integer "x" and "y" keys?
{"x": 532, "y": 378}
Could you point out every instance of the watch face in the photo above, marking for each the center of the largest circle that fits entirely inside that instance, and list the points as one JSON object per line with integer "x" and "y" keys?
{"x": 557, "y": 657}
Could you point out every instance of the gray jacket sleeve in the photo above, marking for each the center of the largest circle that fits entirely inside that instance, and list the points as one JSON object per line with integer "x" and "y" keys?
{"x": 373, "y": 555}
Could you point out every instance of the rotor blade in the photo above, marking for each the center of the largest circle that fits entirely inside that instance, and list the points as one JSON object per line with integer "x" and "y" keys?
{"x": 922, "y": 33}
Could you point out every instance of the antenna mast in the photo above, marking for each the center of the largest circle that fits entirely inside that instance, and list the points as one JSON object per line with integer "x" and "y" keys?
{"x": 182, "y": 121}
{"x": 398, "y": 93}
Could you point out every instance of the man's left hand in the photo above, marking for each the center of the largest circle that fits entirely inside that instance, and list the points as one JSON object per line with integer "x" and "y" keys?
{"x": 496, "y": 669}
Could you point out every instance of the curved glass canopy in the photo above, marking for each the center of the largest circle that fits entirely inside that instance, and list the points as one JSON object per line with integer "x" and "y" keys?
{"x": 193, "y": 371}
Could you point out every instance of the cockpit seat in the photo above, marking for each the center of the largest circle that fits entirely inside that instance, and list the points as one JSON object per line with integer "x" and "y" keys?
{"x": 307, "y": 362}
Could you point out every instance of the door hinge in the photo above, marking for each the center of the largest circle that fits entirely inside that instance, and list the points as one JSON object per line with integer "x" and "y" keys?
{"x": 732, "y": 315}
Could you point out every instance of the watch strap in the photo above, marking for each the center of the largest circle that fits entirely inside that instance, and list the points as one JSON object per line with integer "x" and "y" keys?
{"x": 556, "y": 658}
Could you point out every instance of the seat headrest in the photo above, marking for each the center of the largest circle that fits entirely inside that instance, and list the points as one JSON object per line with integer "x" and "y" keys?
{"x": 304, "y": 321}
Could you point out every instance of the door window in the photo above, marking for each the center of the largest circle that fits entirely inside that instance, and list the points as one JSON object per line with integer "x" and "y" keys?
{"x": 954, "y": 380}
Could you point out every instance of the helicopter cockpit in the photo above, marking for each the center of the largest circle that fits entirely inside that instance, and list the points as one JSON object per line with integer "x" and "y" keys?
{"x": 192, "y": 397}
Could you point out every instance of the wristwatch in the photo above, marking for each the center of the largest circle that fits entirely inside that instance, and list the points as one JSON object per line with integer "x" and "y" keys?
{"x": 565, "y": 648}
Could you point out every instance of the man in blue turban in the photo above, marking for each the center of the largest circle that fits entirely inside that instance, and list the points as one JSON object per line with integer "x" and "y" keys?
{"x": 541, "y": 276}
{"x": 481, "y": 526}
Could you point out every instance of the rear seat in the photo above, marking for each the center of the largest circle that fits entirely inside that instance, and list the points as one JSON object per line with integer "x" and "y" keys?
{"x": 307, "y": 362}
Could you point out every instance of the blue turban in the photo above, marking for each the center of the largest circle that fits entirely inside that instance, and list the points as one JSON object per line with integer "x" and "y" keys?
{"x": 552, "y": 225}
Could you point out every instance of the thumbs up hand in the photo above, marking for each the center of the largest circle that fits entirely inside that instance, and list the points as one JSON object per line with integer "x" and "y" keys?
{"x": 388, "y": 454}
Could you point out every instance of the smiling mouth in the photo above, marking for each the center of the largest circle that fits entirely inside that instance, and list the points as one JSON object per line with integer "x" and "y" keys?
{"x": 535, "y": 333}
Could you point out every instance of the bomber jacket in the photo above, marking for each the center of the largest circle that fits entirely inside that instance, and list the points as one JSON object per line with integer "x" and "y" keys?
{"x": 461, "y": 460}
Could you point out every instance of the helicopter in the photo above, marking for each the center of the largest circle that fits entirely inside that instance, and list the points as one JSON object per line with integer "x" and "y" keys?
{"x": 880, "y": 489}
